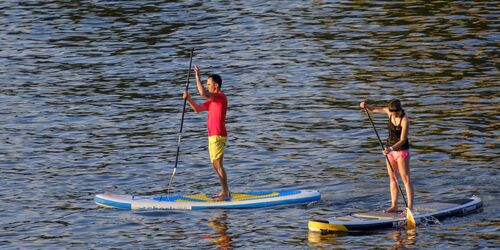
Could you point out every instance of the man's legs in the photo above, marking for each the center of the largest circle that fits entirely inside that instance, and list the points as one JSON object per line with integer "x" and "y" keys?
{"x": 219, "y": 169}
{"x": 216, "y": 145}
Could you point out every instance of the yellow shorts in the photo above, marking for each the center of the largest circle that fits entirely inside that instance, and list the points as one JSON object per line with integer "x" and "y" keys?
{"x": 216, "y": 146}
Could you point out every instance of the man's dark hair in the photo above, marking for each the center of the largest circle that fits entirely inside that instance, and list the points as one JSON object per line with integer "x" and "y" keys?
{"x": 216, "y": 78}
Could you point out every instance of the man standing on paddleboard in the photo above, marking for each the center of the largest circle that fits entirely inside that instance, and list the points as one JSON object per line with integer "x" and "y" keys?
{"x": 216, "y": 105}
{"x": 397, "y": 150}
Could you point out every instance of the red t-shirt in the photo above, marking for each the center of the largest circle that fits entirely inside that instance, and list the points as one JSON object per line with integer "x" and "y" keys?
{"x": 216, "y": 120}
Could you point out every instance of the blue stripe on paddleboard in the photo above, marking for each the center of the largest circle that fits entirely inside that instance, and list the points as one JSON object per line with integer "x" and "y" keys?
{"x": 110, "y": 203}
{"x": 171, "y": 198}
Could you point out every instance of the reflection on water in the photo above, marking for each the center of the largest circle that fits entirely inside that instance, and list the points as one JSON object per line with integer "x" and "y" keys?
{"x": 319, "y": 240}
{"x": 221, "y": 237}
{"x": 404, "y": 238}
{"x": 399, "y": 239}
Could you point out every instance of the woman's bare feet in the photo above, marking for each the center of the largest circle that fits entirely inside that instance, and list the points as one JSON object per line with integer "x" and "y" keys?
{"x": 404, "y": 212}
{"x": 391, "y": 210}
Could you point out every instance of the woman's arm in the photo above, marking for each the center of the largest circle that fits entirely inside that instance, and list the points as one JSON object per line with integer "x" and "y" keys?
{"x": 373, "y": 108}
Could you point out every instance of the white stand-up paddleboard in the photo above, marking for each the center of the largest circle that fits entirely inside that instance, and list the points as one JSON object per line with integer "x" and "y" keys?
{"x": 204, "y": 201}
{"x": 379, "y": 220}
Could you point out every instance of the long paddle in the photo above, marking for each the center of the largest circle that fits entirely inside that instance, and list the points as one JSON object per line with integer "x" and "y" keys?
{"x": 182, "y": 123}
{"x": 411, "y": 221}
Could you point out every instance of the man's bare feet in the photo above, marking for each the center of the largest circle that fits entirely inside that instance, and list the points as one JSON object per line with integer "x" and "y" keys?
{"x": 222, "y": 197}
{"x": 391, "y": 210}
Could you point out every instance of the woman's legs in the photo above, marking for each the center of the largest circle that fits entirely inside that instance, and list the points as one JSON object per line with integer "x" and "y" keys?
{"x": 393, "y": 185}
{"x": 404, "y": 172}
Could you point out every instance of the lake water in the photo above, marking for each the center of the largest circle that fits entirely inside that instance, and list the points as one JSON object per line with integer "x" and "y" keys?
{"x": 91, "y": 102}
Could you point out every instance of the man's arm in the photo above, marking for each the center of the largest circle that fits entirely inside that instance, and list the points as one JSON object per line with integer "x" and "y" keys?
{"x": 194, "y": 105}
{"x": 199, "y": 84}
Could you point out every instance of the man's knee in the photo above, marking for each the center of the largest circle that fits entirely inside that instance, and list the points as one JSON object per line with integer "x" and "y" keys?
{"x": 217, "y": 162}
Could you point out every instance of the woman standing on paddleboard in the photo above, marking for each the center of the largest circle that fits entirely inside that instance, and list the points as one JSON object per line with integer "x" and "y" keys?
{"x": 397, "y": 150}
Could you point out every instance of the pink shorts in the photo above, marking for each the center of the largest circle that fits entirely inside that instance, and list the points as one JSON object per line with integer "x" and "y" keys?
{"x": 395, "y": 155}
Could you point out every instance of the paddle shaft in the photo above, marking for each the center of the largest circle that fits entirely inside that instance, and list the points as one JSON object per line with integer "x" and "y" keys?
{"x": 182, "y": 124}
{"x": 386, "y": 157}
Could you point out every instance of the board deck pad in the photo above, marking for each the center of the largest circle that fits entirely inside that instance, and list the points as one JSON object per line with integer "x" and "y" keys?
{"x": 211, "y": 198}
{"x": 205, "y": 201}
{"x": 373, "y": 220}
{"x": 380, "y": 215}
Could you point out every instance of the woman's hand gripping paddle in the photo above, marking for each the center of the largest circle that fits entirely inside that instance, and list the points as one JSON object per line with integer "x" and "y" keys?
{"x": 409, "y": 215}
{"x": 182, "y": 122}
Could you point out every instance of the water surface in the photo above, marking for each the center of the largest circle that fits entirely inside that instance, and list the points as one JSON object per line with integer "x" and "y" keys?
{"x": 91, "y": 103}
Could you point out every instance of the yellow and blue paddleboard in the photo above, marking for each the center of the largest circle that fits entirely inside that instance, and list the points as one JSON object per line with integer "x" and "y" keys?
{"x": 378, "y": 220}
{"x": 204, "y": 201}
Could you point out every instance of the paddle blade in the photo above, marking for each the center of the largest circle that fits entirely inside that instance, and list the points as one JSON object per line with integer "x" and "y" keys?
{"x": 411, "y": 224}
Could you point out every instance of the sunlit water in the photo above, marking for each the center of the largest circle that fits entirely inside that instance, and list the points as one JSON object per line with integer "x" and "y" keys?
{"x": 91, "y": 102}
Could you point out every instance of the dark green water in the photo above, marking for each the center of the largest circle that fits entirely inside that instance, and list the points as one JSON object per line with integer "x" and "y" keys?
{"x": 91, "y": 102}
